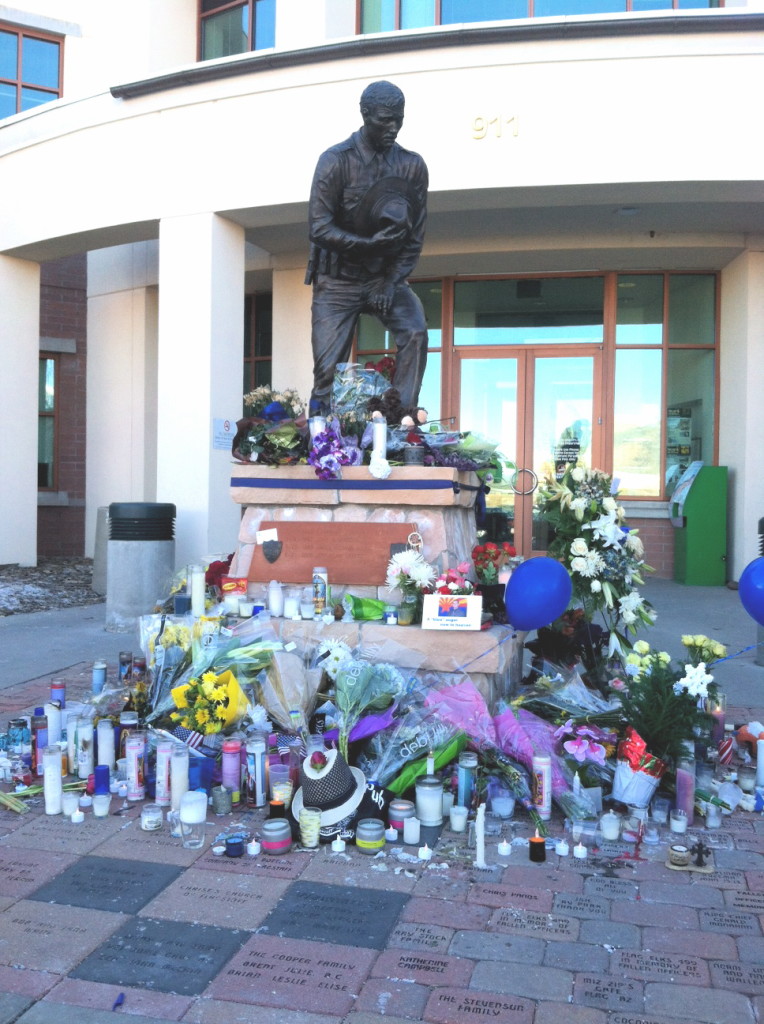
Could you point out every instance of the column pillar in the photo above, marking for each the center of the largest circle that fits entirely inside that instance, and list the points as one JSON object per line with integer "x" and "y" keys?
{"x": 199, "y": 376}
{"x": 19, "y": 357}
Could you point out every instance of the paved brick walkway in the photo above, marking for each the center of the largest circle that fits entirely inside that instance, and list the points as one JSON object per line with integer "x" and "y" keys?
{"x": 100, "y": 911}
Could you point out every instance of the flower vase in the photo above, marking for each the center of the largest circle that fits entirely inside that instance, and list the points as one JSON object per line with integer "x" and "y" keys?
{"x": 493, "y": 601}
{"x": 409, "y": 610}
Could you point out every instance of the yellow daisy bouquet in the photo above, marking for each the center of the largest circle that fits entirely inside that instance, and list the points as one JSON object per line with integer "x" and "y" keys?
{"x": 209, "y": 704}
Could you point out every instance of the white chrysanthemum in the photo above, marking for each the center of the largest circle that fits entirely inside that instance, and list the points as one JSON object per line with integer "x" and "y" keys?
{"x": 629, "y": 617}
{"x": 579, "y": 547}
{"x": 596, "y": 586}
{"x": 594, "y": 564}
{"x": 332, "y": 654}
{"x": 631, "y": 602}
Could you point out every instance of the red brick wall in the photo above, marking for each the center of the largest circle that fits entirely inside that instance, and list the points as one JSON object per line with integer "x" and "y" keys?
{"x": 657, "y": 535}
{"x": 63, "y": 314}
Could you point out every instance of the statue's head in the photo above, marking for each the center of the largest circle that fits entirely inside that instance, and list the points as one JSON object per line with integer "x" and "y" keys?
{"x": 382, "y": 111}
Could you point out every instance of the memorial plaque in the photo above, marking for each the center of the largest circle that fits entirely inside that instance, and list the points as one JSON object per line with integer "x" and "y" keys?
{"x": 748, "y": 978}
{"x": 421, "y": 936}
{"x": 511, "y": 896}
{"x": 226, "y": 900}
{"x": 367, "y": 872}
{"x": 649, "y": 966}
{"x": 729, "y": 921}
{"x": 581, "y": 906}
{"x": 751, "y": 844}
{"x": 294, "y": 975}
{"x": 727, "y": 879}
{"x": 744, "y": 899}
{"x": 313, "y": 910}
{"x": 150, "y": 954}
{"x": 607, "y": 993}
{"x": 528, "y": 922}
{"x": 105, "y": 883}
{"x": 642, "y": 1018}
{"x": 456, "y": 1006}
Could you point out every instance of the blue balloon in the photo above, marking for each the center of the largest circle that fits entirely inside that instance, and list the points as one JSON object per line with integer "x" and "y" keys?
{"x": 537, "y": 593}
{"x": 751, "y": 589}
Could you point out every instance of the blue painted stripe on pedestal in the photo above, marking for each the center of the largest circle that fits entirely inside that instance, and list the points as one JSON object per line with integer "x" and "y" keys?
{"x": 344, "y": 485}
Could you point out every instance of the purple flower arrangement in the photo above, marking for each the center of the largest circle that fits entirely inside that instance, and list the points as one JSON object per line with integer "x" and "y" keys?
{"x": 331, "y": 451}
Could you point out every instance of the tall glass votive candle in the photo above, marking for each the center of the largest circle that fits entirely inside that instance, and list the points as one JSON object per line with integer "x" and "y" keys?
{"x": 398, "y": 811}
{"x": 105, "y": 734}
{"x": 163, "y": 795}
{"x": 52, "y": 783}
{"x": 678, "y": 820}
{"x": 178, "y": 774}
{"x": 458, "y": 818}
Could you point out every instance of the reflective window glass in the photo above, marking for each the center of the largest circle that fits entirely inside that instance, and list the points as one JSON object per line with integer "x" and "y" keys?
{"x": 429, "y": 394}
{"x": 637, "y": 422}
{"x": 651, "y": 5}
{"x": 431, "y": 296}
{"x": 39, "y": 62}
{"x": 225, "y": 33}
{"x": 417, "y": 13}
{"x": 378, "y": 16}
{"x": 7, "y": 100}
{"x": 8, "y": 55}
{"x": 551, "y": 8}
{"x": 692, "y": 309}
{"x": 690, "y": 414}
{"x": 45, "y": 452}
{"x": 265, "y": 24}
{"x": 34, "y": 98}
{"x": 543, "y": 311}
{"x": 640, "y": 309}
{"x": 454, "y": 12}
{"x": 47, "y": 386}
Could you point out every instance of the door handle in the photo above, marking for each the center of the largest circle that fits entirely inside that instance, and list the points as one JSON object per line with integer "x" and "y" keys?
{"x": 534, "y": 484}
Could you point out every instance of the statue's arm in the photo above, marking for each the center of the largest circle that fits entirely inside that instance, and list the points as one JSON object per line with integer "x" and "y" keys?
{"x": 325, "y": 206}
{"x": 402, "y": 265}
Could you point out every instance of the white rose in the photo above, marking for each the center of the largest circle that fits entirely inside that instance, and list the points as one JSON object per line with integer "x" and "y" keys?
{"x": 578, "y": 564}
{"x": 579, "y": 547}
{"x": 609, "y": 504}
{"x": 596, "y": 586}
{"x": 578, "y": 474}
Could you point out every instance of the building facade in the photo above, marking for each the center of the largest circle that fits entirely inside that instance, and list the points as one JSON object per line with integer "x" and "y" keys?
{"x": 593, "y": 271}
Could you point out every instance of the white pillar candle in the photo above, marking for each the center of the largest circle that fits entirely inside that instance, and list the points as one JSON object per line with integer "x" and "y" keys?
{"x": 430, "y": 764}
{"x": 458, "y": 816}
{"x": 379, "y": 439}
{"x": 53, "y": 714}
{"x": 480, "y": 837}
{"x": 163, "y": 795}
{"x": 52, "y": 784}
{"x": 106, "y": 742}
{"x": 411, "y": 831}
{"x": 178, "y": 774}
{"x": 198, "y": 589}
{"x": 85, "y": 759}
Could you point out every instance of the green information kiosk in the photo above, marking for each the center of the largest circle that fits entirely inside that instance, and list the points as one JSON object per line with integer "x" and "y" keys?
{"x": 699, "y": 514}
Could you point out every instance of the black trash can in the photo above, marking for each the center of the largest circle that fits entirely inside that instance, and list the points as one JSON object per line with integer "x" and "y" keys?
{"x": 141, "y": 520}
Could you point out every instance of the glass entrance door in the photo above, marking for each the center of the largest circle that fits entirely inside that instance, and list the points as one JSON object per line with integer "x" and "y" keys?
{"x": 541, "y": 407}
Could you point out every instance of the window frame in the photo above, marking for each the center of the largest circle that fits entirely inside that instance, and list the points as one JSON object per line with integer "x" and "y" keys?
{"x": 676, "y": 5}
{"x": 227, "y": 5}
{"x": 44, "y": 414}
{"x": 18, "y": 83}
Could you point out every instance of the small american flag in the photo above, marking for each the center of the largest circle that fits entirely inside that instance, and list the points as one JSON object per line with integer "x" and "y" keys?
{"x": 188, "y": 736}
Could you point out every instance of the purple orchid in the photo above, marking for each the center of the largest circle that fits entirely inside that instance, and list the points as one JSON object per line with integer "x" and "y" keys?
{"x": 582, "y": 748}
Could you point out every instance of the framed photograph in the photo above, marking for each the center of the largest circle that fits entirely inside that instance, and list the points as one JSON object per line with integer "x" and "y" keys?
{"x": 457, "y": 611}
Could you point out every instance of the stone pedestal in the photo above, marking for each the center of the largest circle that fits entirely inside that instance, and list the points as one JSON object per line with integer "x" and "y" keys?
{"x": 437, "y": 500}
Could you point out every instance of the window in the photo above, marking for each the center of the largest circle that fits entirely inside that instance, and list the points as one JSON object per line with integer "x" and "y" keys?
{"x": 46, "y": 424}
{"x": 30, "y": 70}
{"x": 389, "y": 15}
{"x": 228, "y": 27}
{"x": 258, "y": 334}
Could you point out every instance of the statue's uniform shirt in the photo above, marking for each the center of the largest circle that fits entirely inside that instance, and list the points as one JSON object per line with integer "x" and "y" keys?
{"x": 344, "y": 175}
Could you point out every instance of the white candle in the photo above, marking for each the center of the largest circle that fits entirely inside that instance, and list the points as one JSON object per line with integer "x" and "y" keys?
{"x": 338, "y": 846}
{"x": 458, "y": 816}
{"x": 411, "y": 830}
{"x": 430, "y": 764}
{"x": 391, "y": 834}
{"x": 505, "y": 848}
{"x": 106, "y": 742}
{"x": 198, "y": 589}
{"x": 562, "y": 849}
{"x": 77, "y": 817}
{"x": 253, "y": 848}
{"x": 480, "y": 837}
{"x": 448, "y": 803}
{"x": 579, "y": 852}
{"x": 379, "y": 439}
{"x": 760, "y": 762}
{"x": 425, "y": 853}
{"x": 576, "y": 785}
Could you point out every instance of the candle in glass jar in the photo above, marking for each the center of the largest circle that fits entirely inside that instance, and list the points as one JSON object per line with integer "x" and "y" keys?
{"x": 537, "y": 848}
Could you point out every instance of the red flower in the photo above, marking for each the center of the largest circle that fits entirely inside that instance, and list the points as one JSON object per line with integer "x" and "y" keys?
{"x": 318, "y": 760}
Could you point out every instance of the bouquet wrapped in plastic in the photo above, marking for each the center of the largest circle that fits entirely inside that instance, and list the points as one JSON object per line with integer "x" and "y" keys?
{"x": 638, "y": 772}
{"x": 352, "y": 388}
